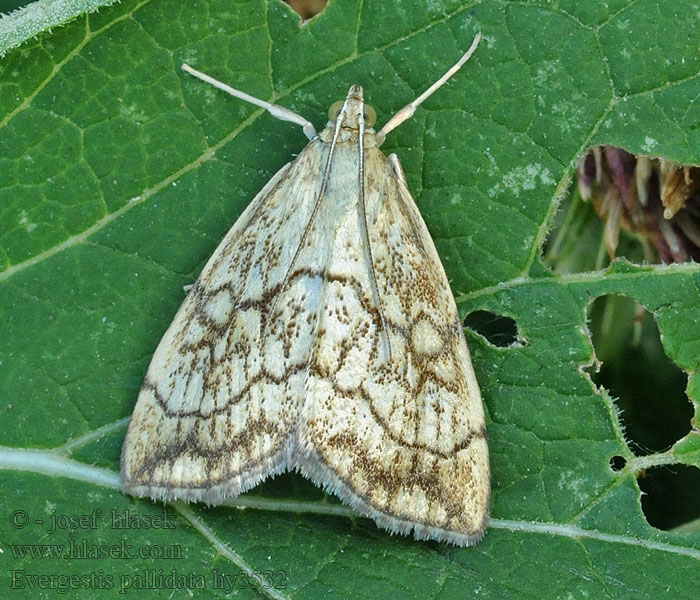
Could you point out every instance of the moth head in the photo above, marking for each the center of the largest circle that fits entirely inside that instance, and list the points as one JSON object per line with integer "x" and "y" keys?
{"x": 350, "y": 110}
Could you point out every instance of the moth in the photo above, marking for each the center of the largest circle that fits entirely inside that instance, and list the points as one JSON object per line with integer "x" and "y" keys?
{"x": 322, "y": 337}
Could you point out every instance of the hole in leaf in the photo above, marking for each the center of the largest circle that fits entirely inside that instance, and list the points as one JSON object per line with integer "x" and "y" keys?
{"x": 648, "y": 386}
{"x": 307, "y": 8}
{"x": 617, "y": 463}
{"x": 670, "y": 495}
{"x": 499, "y": 330}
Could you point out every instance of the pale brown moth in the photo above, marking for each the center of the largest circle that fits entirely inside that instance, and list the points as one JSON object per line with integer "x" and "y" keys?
{"x": 322, "y": 337}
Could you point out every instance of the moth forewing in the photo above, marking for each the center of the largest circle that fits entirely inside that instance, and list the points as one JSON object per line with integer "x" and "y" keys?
{"x": 322, "y": 336}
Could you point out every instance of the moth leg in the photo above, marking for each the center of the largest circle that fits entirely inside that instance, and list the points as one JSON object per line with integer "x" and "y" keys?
{"x": 407, "y": 111}
{"x": 397, "y": 168}
{"x": 279, "y": 112}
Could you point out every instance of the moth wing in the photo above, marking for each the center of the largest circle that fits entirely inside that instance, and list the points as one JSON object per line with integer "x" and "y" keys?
{"x": 221, "y": 397}
{"x": 396, "y": 433}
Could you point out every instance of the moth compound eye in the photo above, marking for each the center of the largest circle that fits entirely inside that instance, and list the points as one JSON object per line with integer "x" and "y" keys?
{"x": 370, "y": 116}
{"x": 334, "y": 110}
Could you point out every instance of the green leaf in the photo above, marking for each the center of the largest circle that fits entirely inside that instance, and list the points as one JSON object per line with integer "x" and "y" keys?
{"x": 119, "y": 175}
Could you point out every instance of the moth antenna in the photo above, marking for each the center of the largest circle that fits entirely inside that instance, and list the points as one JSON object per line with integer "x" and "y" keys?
{"x": 408, "y": 111}
{"x": 365, "y": 231}
{"x": 277, "y": 111}
{"x": 314, "y": 211}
